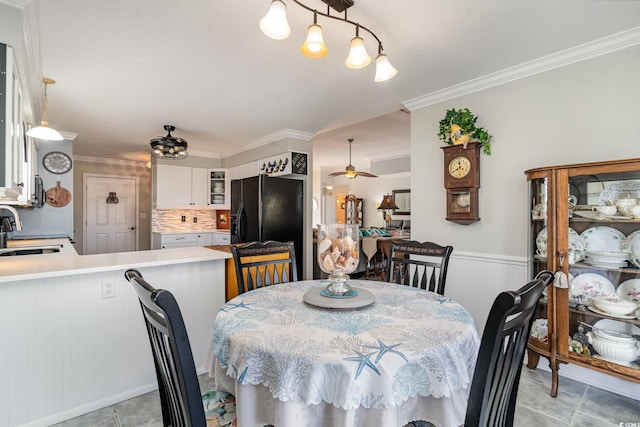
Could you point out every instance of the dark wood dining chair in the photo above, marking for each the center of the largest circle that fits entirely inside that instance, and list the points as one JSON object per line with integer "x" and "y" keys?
{"x": 494, "y": 388}
{"x": 180, "y": 398}
{"x": 420, "y": 265}
{"x": 261, "y": 264}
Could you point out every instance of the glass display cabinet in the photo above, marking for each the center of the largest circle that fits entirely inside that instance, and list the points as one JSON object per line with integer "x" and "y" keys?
{"x": 585, "y": 222}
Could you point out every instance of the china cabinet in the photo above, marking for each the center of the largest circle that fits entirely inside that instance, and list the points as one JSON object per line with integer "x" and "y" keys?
{"x": 598, "y": 249}
{"x": 353, "y": 210}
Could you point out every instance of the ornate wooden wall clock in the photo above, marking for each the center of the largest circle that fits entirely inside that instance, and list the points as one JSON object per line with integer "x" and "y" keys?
{"x": 462, "y": 181}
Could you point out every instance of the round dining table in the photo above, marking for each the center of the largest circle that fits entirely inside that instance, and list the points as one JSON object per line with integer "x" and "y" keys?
{"x": 405, "y": 354}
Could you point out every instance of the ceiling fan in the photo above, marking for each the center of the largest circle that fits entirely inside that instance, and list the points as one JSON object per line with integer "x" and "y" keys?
{"x": 350, "y": 171}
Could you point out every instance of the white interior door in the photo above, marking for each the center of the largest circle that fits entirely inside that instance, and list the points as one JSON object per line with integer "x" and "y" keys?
{"x": 110, "y": 227}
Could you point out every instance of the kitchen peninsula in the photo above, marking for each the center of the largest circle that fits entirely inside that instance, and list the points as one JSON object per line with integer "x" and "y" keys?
{"x": 74, "y": 340}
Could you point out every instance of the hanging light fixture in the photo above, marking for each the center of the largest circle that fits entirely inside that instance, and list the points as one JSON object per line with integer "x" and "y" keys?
{"x": 358, "y": 56}
{"x": 275, "y": 25}
{"x": 384, "y": 69}
{"x": 314, "y": 46}
{"x": 44, "y": 131}
{"x": 169, "y": 147}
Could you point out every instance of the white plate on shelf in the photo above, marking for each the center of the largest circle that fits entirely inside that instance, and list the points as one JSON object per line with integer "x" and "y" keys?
{"x": 619, "y": 190}
{"x": 589, "y": 285}
{"x": 603, "y": 239}
{"x": 631, "y": 246}
{"x": 614, "y": 325}
{"x": 541, "y": 238}
{"x": 617, "y": 316}
{"x": 629, "y": 290}
{"x": 577, "y": 247}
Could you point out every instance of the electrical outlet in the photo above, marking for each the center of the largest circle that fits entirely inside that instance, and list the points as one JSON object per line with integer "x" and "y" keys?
{"x": 108, "y": 289}
{"x": 184, "y": 218}
{"x": 195, "y": 219}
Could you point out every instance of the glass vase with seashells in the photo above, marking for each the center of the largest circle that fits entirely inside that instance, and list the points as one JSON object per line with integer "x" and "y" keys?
{"x": 338, "y": 255}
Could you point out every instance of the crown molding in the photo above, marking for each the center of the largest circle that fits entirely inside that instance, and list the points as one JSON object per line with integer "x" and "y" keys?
{"x": 109, "y": 161}
{"x": 68, "y": 136}
{"x": 276, "y": 136}
{"x": 207, "y": 154}
{"x": 579, "y": 53}
{"x": 397, "y": 154}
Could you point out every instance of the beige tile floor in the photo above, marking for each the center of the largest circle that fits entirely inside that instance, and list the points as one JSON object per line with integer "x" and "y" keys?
{"x": 577, "y": 405}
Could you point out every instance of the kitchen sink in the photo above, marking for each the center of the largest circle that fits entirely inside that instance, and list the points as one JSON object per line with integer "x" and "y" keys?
{"x": 30, "y": 250}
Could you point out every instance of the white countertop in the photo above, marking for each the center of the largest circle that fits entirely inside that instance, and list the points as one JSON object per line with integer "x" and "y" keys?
{"x": 68, "y": 262}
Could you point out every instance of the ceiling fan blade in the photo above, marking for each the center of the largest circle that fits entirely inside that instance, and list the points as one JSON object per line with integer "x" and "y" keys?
{"x": 367, "y": 174}
{"x": 337, "y": 173}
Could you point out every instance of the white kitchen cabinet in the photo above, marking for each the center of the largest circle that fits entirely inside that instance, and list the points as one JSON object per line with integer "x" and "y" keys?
{"x": 12, "y": 153}
{"x": 206, "y": 239}
{"x": 182, "y": 240}
{"x": 180, "y": 187}
{"x": 173, "y": 240}
{"x": 245, "y": 171}
{"x": 219, "y": 189}
{"x": 222, "y": 238}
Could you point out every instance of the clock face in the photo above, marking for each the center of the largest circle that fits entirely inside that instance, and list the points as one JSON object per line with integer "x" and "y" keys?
{"x": 459, "y": 167}
{"x": 57, "y": 162}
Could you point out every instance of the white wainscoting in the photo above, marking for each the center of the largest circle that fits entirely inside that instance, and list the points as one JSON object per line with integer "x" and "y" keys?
{"x": 475, "y": 279}
{"x": 66, "y": 351}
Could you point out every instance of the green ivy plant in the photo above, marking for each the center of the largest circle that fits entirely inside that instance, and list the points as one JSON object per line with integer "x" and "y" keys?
{"x": 467, "y": 122}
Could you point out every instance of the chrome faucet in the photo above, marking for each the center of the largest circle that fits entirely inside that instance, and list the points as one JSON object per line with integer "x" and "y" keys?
{"x": 15, "y": 215}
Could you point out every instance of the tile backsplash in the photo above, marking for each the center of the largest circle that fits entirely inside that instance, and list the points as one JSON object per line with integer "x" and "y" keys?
{"x": 170, "y": 220}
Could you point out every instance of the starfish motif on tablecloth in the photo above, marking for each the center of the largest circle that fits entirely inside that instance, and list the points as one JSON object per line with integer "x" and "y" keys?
{"x": 383, "y": 349}
{"x": 442, "y": 300}
{"x": 363, "y": 360}
{"x": 230, "y": 306}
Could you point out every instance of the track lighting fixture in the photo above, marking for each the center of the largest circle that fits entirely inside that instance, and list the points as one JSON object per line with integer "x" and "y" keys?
{"x": 275, "y": 25}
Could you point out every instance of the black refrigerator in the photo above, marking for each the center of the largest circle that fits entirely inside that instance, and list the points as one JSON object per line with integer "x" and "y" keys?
{"x": 268, "y": 208}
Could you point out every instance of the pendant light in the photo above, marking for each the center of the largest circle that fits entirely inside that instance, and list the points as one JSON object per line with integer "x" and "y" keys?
{"x": 274, "y": 24}
{"x": 169, "y": 147}
{"x": 44, "y": 131}
{"x": 314, "y": 46}
{"x": 358, "y": 56}
{"x": 384, "y": 69}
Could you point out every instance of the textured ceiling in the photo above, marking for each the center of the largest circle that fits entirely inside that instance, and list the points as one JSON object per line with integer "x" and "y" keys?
{"x": 125, "y": 68}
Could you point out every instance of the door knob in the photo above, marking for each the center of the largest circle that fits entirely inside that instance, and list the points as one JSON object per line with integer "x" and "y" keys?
{"x": 132, "y": 228}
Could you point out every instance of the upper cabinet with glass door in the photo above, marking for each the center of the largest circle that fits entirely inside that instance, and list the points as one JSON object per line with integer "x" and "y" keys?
{"x": 219, "y": 189}
{"x": 591, "y": 233}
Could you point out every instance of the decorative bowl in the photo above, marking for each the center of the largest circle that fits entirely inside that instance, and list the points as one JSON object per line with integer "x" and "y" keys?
{"x": 614, "y": 346}
{"x": 614, "y": 305}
